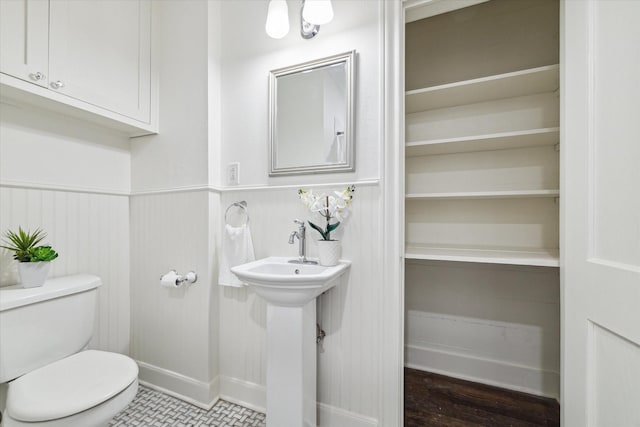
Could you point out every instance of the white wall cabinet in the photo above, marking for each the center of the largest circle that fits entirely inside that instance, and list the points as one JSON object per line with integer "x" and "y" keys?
{"x": 24, "y": 39}
{"x": 81, "y": 57}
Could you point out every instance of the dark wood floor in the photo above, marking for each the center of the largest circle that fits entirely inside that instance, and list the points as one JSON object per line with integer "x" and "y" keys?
{"x": 436, "y": 400}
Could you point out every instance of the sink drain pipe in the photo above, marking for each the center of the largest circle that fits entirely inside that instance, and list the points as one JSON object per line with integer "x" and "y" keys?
{"x": 320, "y": 334}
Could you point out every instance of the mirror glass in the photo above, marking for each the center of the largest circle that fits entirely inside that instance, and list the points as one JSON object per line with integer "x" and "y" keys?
{"x": 311, "y": 117}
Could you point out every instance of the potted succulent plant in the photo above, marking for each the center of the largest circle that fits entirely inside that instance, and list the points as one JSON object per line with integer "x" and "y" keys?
{"x": 35, "y": 261}
{"x": 332, "y": 206}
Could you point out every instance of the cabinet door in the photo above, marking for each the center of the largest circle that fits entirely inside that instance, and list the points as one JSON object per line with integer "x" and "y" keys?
{"x": 24, "y": 28}
{"x": 100, "y": 53}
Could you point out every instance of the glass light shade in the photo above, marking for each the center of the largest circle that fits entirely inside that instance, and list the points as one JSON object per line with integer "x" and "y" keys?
{"x": 277, "y": 25}
{"x": 318, "y": 12}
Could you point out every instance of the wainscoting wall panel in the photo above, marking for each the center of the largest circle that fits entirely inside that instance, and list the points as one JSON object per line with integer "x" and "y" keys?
{"x": 91, "y": 234}
{"x": 174, "y": 331}
{"x": 348, "y": 361}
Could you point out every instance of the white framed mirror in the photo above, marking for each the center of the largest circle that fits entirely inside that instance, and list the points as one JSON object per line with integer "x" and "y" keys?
{"x": 311, "y": 116}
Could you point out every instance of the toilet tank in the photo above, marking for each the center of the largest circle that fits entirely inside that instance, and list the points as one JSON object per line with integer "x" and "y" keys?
{"x": 44, "y": 324}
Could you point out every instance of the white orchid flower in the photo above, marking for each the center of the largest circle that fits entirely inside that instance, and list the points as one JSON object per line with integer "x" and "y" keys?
{"x": 341, "y": 201}
{"x": 307, "y": 197}
{"x": 318, "y": 206}
{"x": 330, "y": 206}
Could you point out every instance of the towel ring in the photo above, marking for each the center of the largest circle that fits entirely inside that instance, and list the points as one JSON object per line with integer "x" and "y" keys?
{"x": 242, "y": 205}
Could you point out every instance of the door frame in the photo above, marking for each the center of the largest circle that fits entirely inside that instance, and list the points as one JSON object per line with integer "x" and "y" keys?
{"x": 391, "y": 324}
{"x": 392, "y": 201}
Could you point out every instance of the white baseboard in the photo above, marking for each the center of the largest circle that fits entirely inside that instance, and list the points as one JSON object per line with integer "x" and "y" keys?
{"x": 493, "y": 372}
{"x": 244, "y": 393}
{"x": 330, "y": 416}
{"x": 513, "y": 355}
{"x": 199, "y": 393}
{"x": 253, "y": 396}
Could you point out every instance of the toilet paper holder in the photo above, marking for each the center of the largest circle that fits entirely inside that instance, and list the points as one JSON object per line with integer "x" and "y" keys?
{"x": 190, "y": 277}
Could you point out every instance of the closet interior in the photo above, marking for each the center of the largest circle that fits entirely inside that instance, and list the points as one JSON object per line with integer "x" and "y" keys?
{"x": 481, "y": 193}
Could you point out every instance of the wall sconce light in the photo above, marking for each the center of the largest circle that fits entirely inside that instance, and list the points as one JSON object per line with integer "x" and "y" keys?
{"x": 313, "y": 13}
{"x": 277, "y": 25}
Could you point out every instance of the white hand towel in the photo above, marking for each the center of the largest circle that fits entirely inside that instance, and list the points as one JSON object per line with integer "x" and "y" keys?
{"x": 237, "y": 248}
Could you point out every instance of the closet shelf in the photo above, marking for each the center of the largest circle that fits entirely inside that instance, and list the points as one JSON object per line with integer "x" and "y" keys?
{"x": 509, "y": 194}
{"x": 518, "y": 83}
{"x": 542, "y": 257}
{"x": 495, "y": 141}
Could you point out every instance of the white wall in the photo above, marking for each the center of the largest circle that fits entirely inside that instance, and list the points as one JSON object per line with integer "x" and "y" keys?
{"x": 248, "y": 56}
{"x": 495, "y": 324}
{"x": 212, "y": 111}
{"x": 177, "y": 156}
{"x": 175, "y": 332}
{"x": 45, "y": 148}
{"x": 348, "y": 362}
{"x": 70, "y": 178}
{"x": 349, "y": 381}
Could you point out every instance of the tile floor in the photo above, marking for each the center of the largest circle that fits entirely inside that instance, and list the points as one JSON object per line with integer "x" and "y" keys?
{"x": 151, "y": 408}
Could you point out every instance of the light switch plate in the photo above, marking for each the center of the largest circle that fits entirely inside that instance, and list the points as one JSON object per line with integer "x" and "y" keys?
{"x": 233, "y": 173}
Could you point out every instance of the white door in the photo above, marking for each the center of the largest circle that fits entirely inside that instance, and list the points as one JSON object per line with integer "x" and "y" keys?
{"x": 99, "y": 52}
{"x": 24, "y": 39}
{"x": 601, "y": 213}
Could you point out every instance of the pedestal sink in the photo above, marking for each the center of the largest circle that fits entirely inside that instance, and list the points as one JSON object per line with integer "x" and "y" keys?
{"x": 290, "y": 290}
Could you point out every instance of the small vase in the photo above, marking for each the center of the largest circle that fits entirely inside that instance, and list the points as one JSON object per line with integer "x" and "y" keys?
{"x": 329, "y": 252}
{"x": 33, "y": 274}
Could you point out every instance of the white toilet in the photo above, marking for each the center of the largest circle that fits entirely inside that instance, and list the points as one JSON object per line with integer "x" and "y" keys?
{"x": 46, "y": 379}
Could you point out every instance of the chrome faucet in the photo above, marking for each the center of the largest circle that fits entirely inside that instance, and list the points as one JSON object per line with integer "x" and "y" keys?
{"x": 301, "y": 235}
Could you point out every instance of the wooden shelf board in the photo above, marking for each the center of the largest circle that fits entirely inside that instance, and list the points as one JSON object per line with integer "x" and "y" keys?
{"x": 508, "y": 85}
{"x": 511, "y": 194}
{"x": 421, "y": 9}
{"x": 495, "y": 141}
{"x": 532, "y": 257}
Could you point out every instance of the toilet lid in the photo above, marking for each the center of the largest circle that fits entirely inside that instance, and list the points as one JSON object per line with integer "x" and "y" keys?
{"x": 69, "y": 386}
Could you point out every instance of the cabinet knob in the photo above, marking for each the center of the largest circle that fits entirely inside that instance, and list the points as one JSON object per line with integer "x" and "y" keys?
{"x": 36, "y": 77}
{"x": 57, "y": 84}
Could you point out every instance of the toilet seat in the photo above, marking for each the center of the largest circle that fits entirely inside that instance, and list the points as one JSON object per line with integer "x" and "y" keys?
{"x": 98, "y": 416}
{"x": 70, "y": 386}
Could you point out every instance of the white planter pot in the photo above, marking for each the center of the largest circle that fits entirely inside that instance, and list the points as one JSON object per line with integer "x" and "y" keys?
{"x": 329, "y": 252}
{"x": 33, "y": 274}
